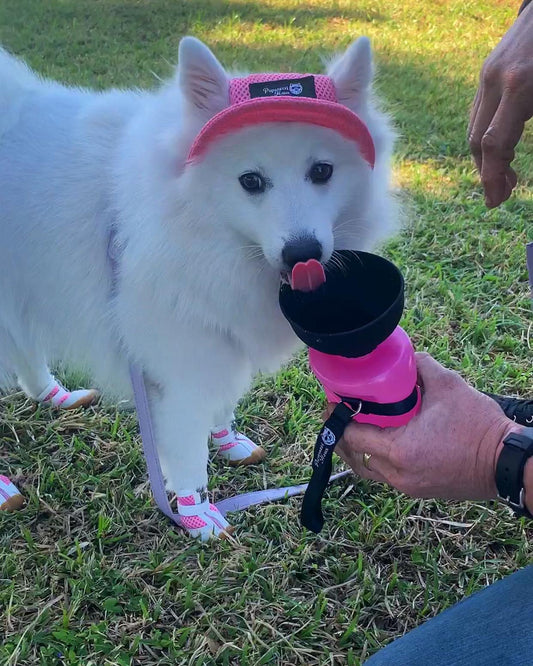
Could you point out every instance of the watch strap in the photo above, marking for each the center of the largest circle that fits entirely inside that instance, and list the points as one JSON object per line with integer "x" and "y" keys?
{"x": 517, "y": 449}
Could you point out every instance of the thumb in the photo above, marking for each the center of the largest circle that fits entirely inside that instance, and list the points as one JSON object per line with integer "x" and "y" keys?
{"x": 431, "y": 373}
{"x": 363, "y": 438}
{"x": 359, "y": 437}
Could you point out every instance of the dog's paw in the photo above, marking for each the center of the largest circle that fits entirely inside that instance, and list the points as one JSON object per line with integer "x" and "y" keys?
{"x": 10, "y": 497}
{"x": 236, "y": 448}
{"x": 56, "y": 395}
{"x": 200, "y": 518}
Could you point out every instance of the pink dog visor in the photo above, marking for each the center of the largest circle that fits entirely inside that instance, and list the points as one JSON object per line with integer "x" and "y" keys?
{"x": 284, "y": 98}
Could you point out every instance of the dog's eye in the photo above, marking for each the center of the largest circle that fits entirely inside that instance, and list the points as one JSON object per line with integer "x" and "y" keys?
{"x": 252, "y": 182}
{"x": 320, "y": 172}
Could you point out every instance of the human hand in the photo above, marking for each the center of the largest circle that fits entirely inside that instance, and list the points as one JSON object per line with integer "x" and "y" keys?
{"x": 503, "y": 104}
{"x": 448, "y": 450}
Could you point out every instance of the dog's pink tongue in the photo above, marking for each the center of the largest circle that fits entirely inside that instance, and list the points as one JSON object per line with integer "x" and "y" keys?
{"x": 308, "y": 276}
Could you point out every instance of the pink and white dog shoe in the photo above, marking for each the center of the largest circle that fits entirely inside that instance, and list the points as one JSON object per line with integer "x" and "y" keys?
{"x": 200, "y": 518}
{"x": 10, "y": 497}
{"x": 235, "y": 447}
{"x": 56, "y": 395}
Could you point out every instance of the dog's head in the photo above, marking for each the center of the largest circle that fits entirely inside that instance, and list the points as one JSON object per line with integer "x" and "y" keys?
{"x": 291, "y": 191}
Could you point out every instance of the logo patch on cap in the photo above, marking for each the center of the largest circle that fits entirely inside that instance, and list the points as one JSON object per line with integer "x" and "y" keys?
{"x": 303, "y": 87}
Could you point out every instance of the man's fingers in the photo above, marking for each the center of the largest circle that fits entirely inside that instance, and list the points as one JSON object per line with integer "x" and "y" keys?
{"x": 512, "y": 178}
{"x": 327, "y": 412}
{"x": 475, "y": 149}
{"x": 497, "y": 146}
{"x": 359, "y": 441}
{"x": 487, "y": 106}
{"x": 510, "y": 183}
{"x": 365, "y": 438}
{"x": 474, "y": 110}
{"x": 370, "y": 470}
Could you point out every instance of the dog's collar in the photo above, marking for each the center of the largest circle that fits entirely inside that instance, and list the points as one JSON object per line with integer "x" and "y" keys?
{"x": 273, "y": 98}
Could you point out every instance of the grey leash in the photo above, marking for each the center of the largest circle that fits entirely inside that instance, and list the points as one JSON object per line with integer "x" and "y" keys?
{"x": 235, "y": 503}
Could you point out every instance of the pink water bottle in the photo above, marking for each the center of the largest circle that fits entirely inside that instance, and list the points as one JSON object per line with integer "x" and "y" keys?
{"x": 348, "y": 317}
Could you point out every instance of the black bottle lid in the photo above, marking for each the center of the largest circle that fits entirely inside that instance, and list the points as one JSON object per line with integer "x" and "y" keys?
{"x": 354, "y": 311}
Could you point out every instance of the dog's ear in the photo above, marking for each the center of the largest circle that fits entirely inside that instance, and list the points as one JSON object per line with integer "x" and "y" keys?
{"x": 352, "y": 73}
{"x": 202, "y": 79}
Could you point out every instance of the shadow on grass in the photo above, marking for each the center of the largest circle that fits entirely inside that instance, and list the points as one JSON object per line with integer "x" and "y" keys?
{"x": 101, "y": 44}
{"x": 146, "y": 14}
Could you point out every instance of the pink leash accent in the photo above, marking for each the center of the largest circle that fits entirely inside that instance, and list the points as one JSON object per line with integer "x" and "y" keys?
{"x": 235, "y": 503}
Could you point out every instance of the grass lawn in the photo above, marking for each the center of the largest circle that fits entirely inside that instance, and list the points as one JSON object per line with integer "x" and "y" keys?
{"x": 90, "y": 572}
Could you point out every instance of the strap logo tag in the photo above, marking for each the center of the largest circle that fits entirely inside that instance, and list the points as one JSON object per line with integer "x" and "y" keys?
{"x": 311, "y": 515}
{"x": 328, "y": 437}
{"x": 303, "y": 87}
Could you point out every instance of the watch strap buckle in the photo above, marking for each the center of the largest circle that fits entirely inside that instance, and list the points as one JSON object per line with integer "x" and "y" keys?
{"x": 515, "y": 506}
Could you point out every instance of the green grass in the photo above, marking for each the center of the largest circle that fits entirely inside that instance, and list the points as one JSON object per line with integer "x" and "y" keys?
{"x": 90, "y": 572}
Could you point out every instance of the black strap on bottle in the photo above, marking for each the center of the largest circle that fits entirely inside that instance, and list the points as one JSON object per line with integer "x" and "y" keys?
{"x": 311, "y": 514}
{"x": 384, "y": 408}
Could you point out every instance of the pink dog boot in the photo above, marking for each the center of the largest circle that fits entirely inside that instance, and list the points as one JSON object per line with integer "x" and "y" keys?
{"x": 56, "y": 395}
{"x": 235, "y": 447}
{"x": 10, "y": 497}
{"x": 199, "y": 517}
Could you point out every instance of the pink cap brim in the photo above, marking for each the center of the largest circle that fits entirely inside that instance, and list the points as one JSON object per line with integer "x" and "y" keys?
{"x": 258, "y": 111}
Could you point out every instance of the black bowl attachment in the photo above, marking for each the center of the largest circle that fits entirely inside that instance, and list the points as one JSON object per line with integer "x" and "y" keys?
{"x": 354, "y": 311}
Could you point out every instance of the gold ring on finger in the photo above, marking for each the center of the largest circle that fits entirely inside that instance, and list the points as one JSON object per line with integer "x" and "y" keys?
{"x": 366, "y": 460}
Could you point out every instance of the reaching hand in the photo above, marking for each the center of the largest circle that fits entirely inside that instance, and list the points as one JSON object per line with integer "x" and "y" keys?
{"x": 503, "y": 104}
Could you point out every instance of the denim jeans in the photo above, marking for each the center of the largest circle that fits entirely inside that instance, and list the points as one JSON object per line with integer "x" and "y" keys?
{"x": 493, "y": 627}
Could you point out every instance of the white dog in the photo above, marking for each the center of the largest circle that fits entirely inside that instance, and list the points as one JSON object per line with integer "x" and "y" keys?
{"x": 204, "y": 220}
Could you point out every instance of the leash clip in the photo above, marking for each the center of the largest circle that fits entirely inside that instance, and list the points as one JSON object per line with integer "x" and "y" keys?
{"x": 355, "y": 411}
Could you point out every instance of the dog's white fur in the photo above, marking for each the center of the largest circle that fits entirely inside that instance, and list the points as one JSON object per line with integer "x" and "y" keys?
{"x": 196, "y": 303}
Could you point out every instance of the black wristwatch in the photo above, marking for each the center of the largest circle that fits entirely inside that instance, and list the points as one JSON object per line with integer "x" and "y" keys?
{"x": 517, "y": 449}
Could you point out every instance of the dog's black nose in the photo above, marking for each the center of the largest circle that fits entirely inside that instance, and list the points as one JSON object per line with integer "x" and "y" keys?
{"x": 301, "y": 249}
